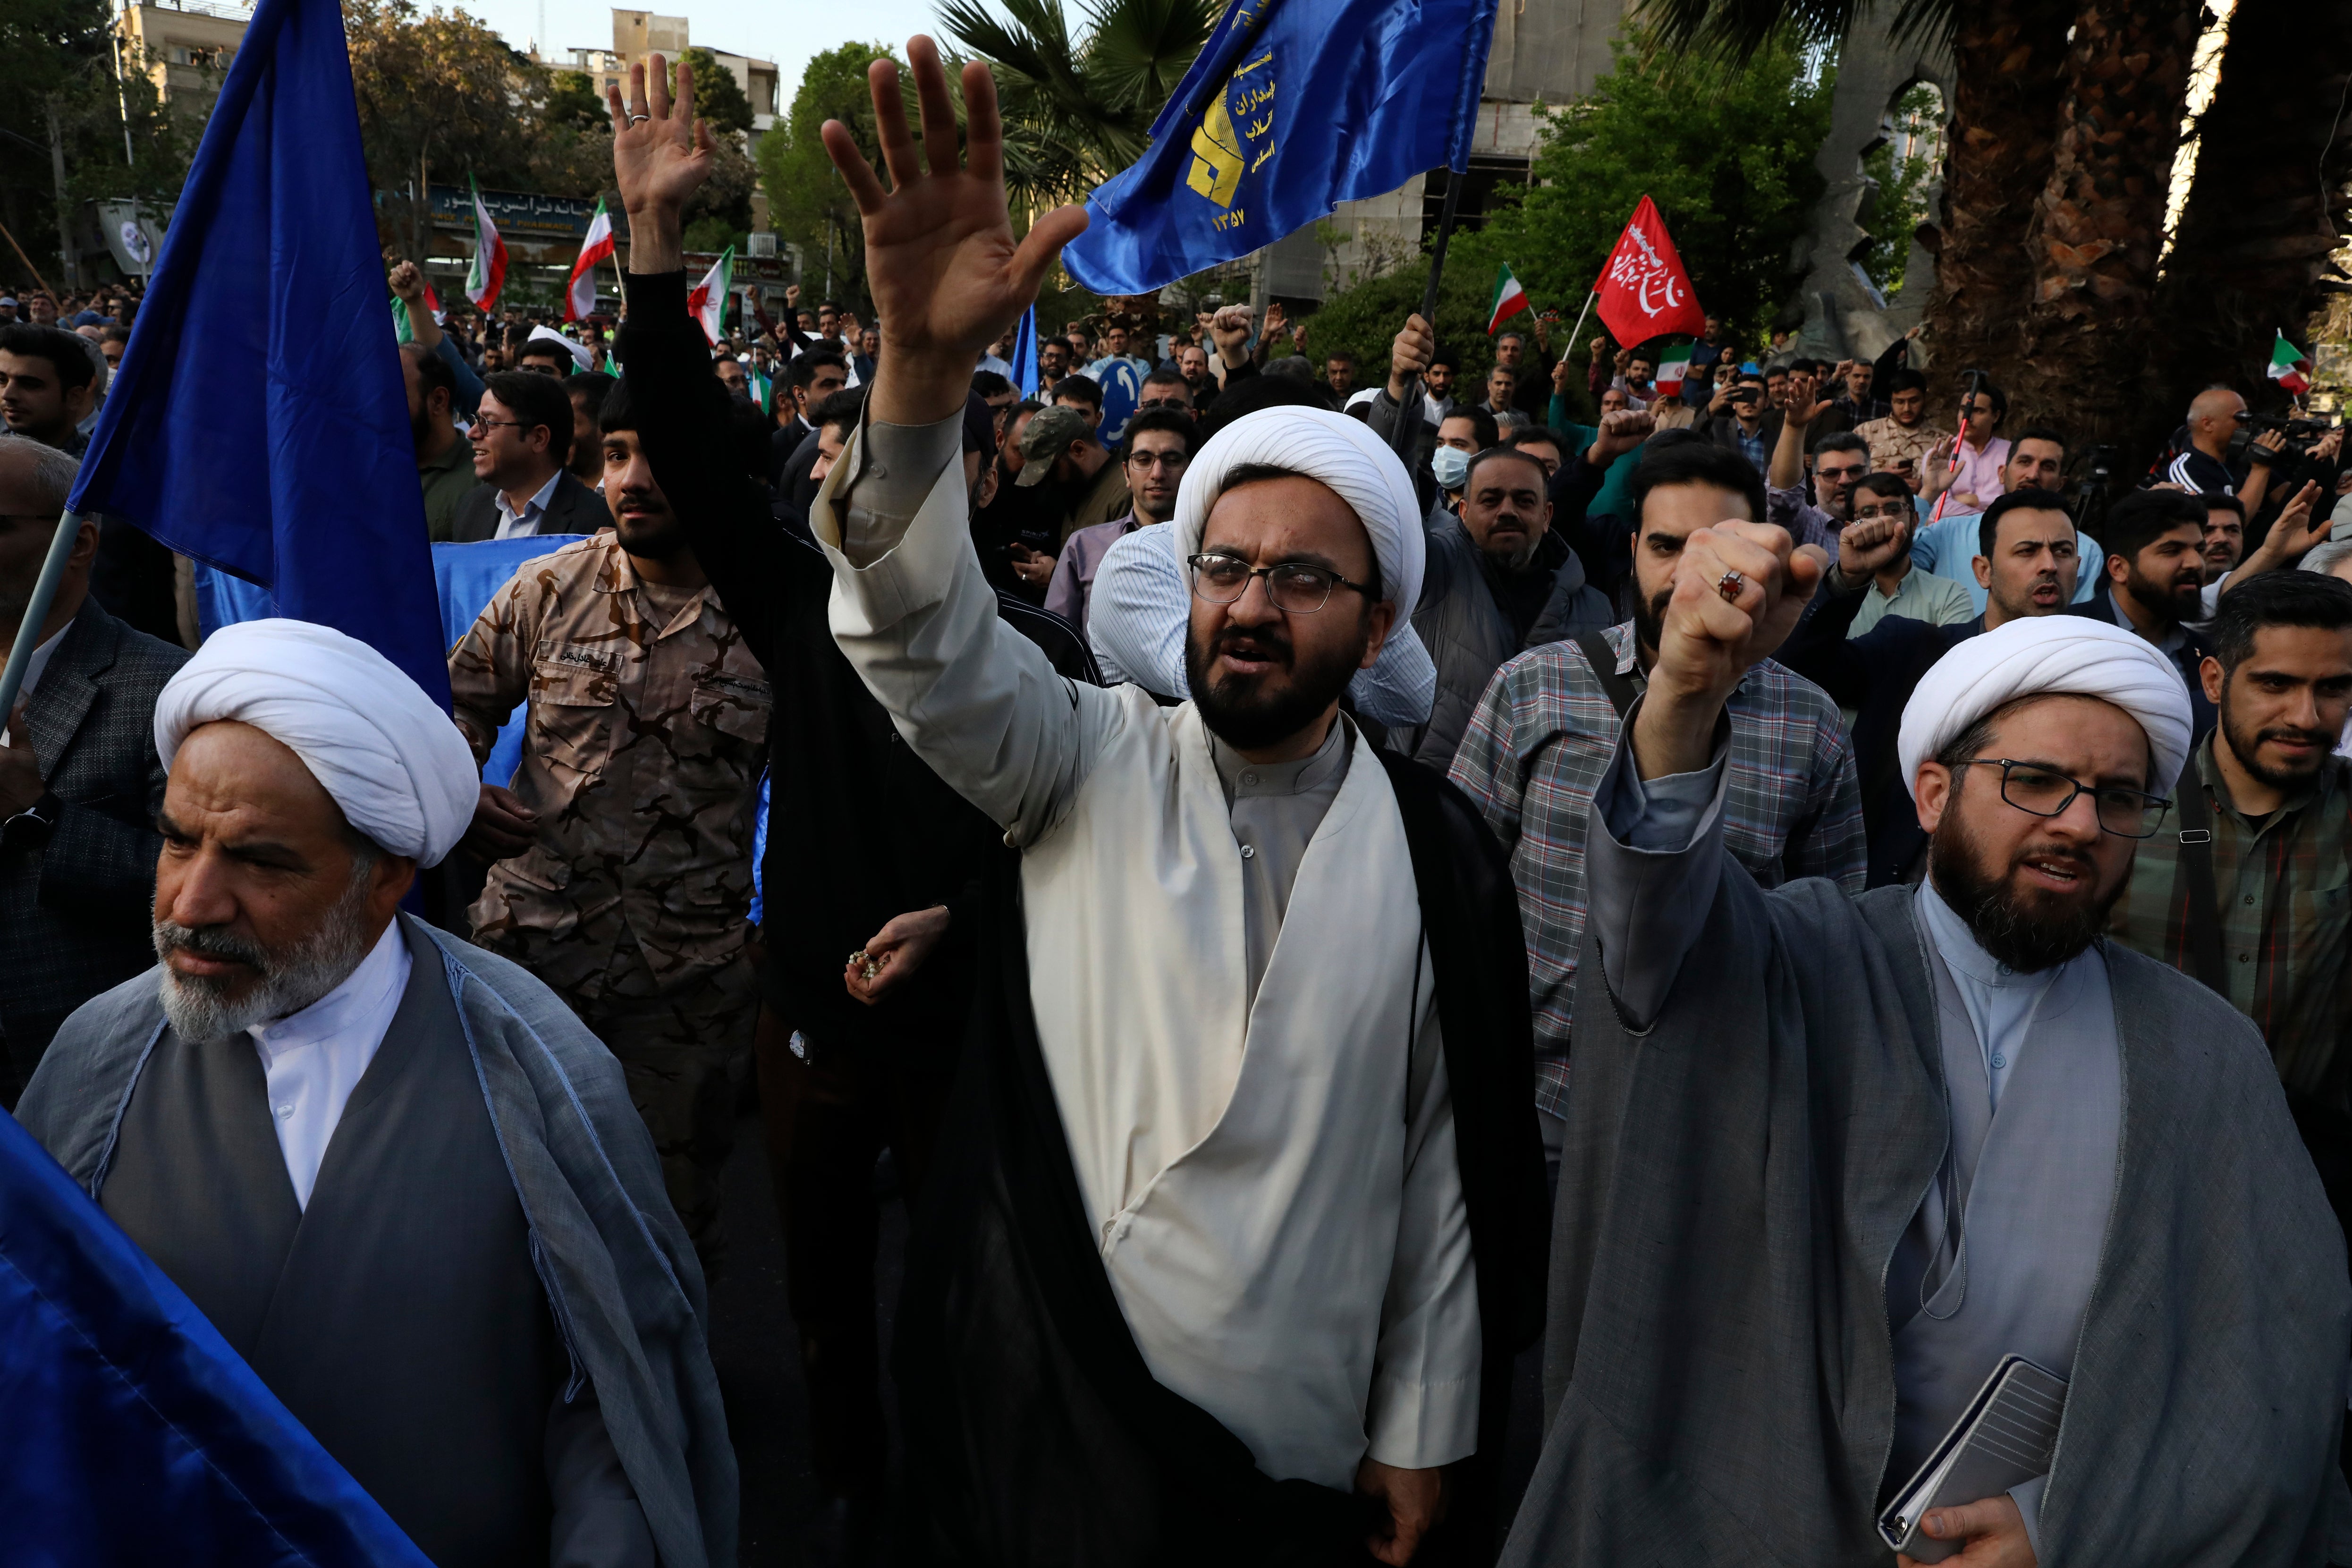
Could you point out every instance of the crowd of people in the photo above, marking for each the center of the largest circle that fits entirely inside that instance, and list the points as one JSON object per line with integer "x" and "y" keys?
{"x": 1320, "y": 887}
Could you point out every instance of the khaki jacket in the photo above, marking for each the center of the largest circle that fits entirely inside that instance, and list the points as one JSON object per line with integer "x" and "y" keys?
{"x": 647, "y": 724}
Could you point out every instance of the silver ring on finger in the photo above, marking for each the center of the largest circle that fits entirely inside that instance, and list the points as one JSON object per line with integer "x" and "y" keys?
{"x": 639, "y": 118}
{"x": 1730, "y": 585}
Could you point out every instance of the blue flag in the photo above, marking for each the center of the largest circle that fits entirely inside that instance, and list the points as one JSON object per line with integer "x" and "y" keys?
{"x": 1293, "y": 107}
{"x": 258, "y": 423}
{"x": 130, "y": 1431}
{"x": 1025, "y": 355}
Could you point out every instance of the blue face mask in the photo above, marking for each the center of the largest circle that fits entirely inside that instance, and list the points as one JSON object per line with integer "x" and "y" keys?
{"x": 1452, "y": 465}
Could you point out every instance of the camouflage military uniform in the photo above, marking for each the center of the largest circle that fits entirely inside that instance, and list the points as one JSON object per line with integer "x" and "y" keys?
{"x": 647, "y": 724}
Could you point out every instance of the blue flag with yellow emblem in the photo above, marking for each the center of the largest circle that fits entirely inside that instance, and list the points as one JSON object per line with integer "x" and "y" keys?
{"x": 1293, "y": 107}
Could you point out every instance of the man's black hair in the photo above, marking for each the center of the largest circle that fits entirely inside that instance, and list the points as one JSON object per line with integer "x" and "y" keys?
{"x": 543, "y": 348}
{"x": 1895, "y": 487}
{"x": 1483, "y": 429}
{"x": 1167, "y": 376}
{"x": 1494, "y": 453}
{"x": 1999, "y": 399}
{"x": 2218, "y": 500}
{"x": 1843, "y": 441}
{"x": 2038, "y": 433}
{"x": 595, "y": 386}
{"x": 1254, "y": 393}
{"x": 808, "y": 362}
{"x": 1532, "y": 434}
{"x": 1345, "y": 356}
{"x": 1446, "y": 357}
{"x": 1904, "y": 380}
{"x": 2313, "y": 599}
{"x": 536, "y": 400}
{"x": 2143, "y": 517}
{"x": 618, "y": 411}
{"x": 839, "y": 409}
{"x": 61, "y": 348}
{"x": 1696, "y": 460}
{"x": 1167, "y": 420}
{"x": 1079, "y": 389}
{"x": 433, "y": 374}
{"x": 1989, "y": 525}
{"x": 988, "y": 384}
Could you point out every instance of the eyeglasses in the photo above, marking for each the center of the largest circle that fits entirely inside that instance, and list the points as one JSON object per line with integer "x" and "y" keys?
{"x": 1871, "y": 513}
{"x": 2046, "y": 791}
{"x": 1840, "y": 476}
{"x": 1157, "y": 459}
{"x": 503, "y": 424}
{"x": 1293, "y": 587}
{"x": 1165, "y": 403}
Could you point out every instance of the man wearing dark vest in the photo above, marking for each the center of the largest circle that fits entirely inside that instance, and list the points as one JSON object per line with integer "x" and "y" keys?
{"x": 391, "y": 1169}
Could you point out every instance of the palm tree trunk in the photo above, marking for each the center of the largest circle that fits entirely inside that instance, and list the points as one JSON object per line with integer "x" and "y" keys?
{"x": 2007, "y": 60}
{"x": 2266, "y": 208}
{"x": 2098, "y": 224}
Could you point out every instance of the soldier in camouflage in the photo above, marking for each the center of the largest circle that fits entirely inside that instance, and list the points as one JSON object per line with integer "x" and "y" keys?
{"x": 623, "y": 852}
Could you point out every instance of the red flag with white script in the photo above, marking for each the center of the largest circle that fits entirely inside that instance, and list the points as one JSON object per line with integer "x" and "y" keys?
{"x": 1644, "y": 293}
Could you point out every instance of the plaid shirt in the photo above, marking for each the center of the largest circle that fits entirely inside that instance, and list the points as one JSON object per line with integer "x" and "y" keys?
{"x": 1536, "y": 748}
{"x": 2286, "y": 892}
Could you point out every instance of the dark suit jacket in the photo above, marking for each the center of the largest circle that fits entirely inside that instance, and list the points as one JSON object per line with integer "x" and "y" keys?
{"x": 1723, "y": 429}
{"x": 75, "y": 904}
{"x": 572, "y": 509}
{"x": 1874, "y": 674}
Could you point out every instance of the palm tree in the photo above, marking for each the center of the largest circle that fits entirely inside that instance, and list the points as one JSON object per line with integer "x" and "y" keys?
{"x": 1078, "y": 109}
{"x": 2064, "y": 121}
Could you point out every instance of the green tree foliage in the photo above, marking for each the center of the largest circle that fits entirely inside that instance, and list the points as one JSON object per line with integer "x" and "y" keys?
{"x": 807, "y": 203}
{"x": 1902, "y": 176}
{"x": 60, "y": 58}
{"x": 1078, "y": 107}
{"x": 719, "y": 98}
{"x": 573, "y": 102}
{"x": 1725, "y": 151}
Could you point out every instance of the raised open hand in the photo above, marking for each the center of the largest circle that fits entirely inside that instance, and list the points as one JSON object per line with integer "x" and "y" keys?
{"x": 940, "y": 261}
{"x": 1801, "y": 404}
{"x": 661, "y": 154}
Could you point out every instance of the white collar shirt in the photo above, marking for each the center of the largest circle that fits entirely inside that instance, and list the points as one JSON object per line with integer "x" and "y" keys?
{"x": 33, "y": 669}
{"x": 314, "y": 1059}
{"x": 513, "y": 524}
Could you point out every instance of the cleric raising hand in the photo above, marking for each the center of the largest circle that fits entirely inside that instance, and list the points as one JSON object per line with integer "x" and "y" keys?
{"x": 1738, "y": 591}
{"x": 940, "y": 260}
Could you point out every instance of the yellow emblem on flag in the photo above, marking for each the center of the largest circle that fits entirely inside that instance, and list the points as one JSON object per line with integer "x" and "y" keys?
{"x": 1218, "y": 162}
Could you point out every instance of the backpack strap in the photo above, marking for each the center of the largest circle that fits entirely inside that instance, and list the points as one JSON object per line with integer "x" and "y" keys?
{"x": 1603, "y": 660}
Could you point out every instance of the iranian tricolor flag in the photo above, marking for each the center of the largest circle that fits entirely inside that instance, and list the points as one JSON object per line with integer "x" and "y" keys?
{"x": 708, "y": 303}
{"x": 580, "y": 294}
{"x": 1671, "y": 371}
{"x": 2287, "y": 365}
{"x": 1509, "y": 301}
{"x": 487, "y": 276}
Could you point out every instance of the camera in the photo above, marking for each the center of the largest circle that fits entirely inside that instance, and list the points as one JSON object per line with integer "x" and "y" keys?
{"x": 2300, "y": 433}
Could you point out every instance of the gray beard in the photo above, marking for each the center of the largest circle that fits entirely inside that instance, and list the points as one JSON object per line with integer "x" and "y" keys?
{"x": 289, "y": 981}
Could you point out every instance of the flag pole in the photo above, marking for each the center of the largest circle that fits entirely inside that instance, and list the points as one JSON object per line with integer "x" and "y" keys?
{"x": 36, "y": 609}
{"x": 1402, "y": 436}
{"x": 1569, "y": 346}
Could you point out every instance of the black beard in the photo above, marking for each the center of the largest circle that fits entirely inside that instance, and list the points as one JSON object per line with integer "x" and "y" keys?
{"x": 1649, "y": 615}
{"x": 2028, "y": 932}
{"x": 2246, "y": 747}
{"x": 1249, "y": 713}
{"x": 2182, "y": 604}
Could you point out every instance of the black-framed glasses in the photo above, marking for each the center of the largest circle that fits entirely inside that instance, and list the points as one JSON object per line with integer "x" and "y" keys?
{"x": 1872, "y": 513}
{"x": 2046, "y": 791}
{"x": 504, "y": 424}
{"x": 1291, "y": 586}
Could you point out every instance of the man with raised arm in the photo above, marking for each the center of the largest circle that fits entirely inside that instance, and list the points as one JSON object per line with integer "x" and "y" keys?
{"x": 1832, "y": 1159}
{"x": 1238, "y": 1226}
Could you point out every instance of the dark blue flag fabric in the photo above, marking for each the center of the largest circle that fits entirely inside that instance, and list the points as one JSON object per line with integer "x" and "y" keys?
{"x": 1293, "y": 107}
{"x": 259, "y": 422}
{"x": 1025, "y": 355}
{"x": 130, "y": 1432}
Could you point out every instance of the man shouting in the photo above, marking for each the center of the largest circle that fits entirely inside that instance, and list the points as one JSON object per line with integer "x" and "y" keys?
{"x": 1240, "y": 1214}
{"x": 1832, "y": 1159}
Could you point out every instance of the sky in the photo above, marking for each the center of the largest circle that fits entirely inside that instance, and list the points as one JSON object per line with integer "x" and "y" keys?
{"x": 790, "y": 33}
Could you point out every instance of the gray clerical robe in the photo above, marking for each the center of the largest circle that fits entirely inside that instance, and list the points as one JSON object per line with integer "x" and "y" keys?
{"x": 488, "y": 1313}
{"x": 1743, "y": 1159}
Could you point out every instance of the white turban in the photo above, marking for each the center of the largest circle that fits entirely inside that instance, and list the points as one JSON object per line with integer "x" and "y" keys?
{"x": 392, "y": 759}
{"x": 1333, "y": 450}
{"x": 2041, "y": 657}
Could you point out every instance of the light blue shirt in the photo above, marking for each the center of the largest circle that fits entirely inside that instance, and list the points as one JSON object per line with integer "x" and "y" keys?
{"x": 1947, "y": 547}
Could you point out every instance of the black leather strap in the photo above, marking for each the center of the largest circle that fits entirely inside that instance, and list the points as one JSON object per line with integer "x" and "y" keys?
{"x": 2205, "y": 959}
{"x": 1603, "y": 660}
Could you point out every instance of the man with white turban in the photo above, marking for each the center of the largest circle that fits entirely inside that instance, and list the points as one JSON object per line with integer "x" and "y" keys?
{"x": 394, "y": 1172}
{"x": 1236, "y": 1218}
{"x": 1833, "y": 1160}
